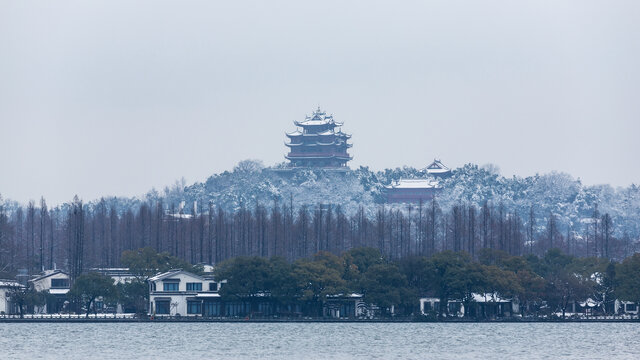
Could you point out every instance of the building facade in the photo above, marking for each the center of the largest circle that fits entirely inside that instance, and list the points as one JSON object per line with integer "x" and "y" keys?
{"x": 7, "y": 305}
{"x": 318, "y": 142}
{"x": 57, "y": 283}
{"x": 345, "y": 306}
{"x": 481, "y": 305}
{"x": 181, "y": 293}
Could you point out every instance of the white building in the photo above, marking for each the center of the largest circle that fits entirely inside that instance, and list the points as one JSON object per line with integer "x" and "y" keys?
{"x": 57, "y": 283}
{"x": 6, "y": 305}
{"x": 178, "y": 292}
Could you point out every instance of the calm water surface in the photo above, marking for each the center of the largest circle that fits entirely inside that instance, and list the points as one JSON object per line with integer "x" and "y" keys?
{"x": 319, "y": 341}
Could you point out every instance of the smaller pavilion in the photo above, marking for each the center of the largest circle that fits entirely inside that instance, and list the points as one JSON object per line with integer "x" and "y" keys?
{"x": 438, "y": 169}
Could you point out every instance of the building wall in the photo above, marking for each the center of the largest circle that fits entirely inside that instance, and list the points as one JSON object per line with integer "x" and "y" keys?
{"x": 177, "y": 299}
{"x": 4, "y": 301}
{"x": 410, "y": 195}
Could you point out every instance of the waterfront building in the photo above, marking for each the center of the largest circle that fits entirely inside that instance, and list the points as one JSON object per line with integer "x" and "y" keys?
{"x": 411, "y": 191}
{"x": 482, "y": 305}
{"x": 318, "y": 143}
{"x": 345, "y": 306}
{"x": 7, "y": 306}
{"x": 181, "y": 293}
{"x": 57, "y": 283}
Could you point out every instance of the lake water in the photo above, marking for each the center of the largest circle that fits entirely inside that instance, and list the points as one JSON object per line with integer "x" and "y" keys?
{"x": 319, "y": 340}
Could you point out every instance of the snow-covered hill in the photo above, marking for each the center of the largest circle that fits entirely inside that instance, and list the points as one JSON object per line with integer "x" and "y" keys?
{"x": 250, "y": 183}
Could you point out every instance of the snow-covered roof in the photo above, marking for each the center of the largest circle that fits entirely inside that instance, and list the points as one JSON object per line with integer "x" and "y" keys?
{"x": 171, "y": 273}
{"x": 437, "y": 167}
{"x": 488, "y": 297}
{"x": 413, "y": 184}
{"x": 352, "y": 295}
{"x": 318, "y": 117}
{"x": 207, "y": 295}
{"x": 294, "y": 133}
{"x": 10, "y": 283}
{"x": 208, "y": 268}
{"x": 58, "y": 291}
{"x": 480, "y": 298}
{"x": 314, "y": 122}
{"x": 589, "y": 303}
{"x": 48, "y": 273}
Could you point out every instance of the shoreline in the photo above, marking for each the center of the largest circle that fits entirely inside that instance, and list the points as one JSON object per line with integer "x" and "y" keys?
{"x": 208, "y": 320}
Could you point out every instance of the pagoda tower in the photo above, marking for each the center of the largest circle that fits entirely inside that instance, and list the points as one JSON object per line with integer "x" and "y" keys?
{"x": 317, "y": 143}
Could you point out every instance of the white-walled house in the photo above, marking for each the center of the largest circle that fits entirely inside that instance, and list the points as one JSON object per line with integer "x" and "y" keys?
{"x": 57, "y": 283}
{"x": 7, "y": 307}
{"x": 178, "y": 292}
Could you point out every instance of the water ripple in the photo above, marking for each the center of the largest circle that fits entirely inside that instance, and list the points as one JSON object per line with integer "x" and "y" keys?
{"x": 319, "y": 340}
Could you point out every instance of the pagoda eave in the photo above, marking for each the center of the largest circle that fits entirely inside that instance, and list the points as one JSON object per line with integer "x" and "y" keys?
{"x": 339, "y": 157}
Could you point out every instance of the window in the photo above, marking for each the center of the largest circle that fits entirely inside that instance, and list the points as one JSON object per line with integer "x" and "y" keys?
{"x": 171, "y": 286}
{"x": 211, "y": 308}
{"x": 213, "y": 286}
{"x": 427, "y": 306}
{"x": 631, "y": 307}
{"x": 59, "y": 283}
{"x": 237, "y": 308}
{"x": 347, "y": 310}
{"x": 454, "y": 307}
{"x": 162, "y": 307}
{"x": 194, "y": 286}
{"x": 194, "y": 307}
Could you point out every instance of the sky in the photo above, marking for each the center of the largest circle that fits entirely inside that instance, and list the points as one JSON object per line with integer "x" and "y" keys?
{"x": 102, "y": 98}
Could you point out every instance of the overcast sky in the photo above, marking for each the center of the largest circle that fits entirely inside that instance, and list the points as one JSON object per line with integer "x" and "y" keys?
{"x": 116, "y": 97}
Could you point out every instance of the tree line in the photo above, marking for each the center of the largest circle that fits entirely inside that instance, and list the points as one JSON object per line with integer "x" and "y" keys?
{"x": 544, "y": 286}
{"x": 77, "y": 237}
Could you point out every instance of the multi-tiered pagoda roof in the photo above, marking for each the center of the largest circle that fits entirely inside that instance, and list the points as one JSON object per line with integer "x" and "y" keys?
{"x": 318, "y": 142}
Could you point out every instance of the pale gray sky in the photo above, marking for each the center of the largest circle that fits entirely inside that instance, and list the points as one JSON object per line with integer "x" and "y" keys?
{"x": 115, "y": 97}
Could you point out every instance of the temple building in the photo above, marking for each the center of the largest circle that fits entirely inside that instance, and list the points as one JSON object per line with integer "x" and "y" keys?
{"x": 318, "y": 142}
{"x": 411, "y": 191}
{"x": 437, "y": 169}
